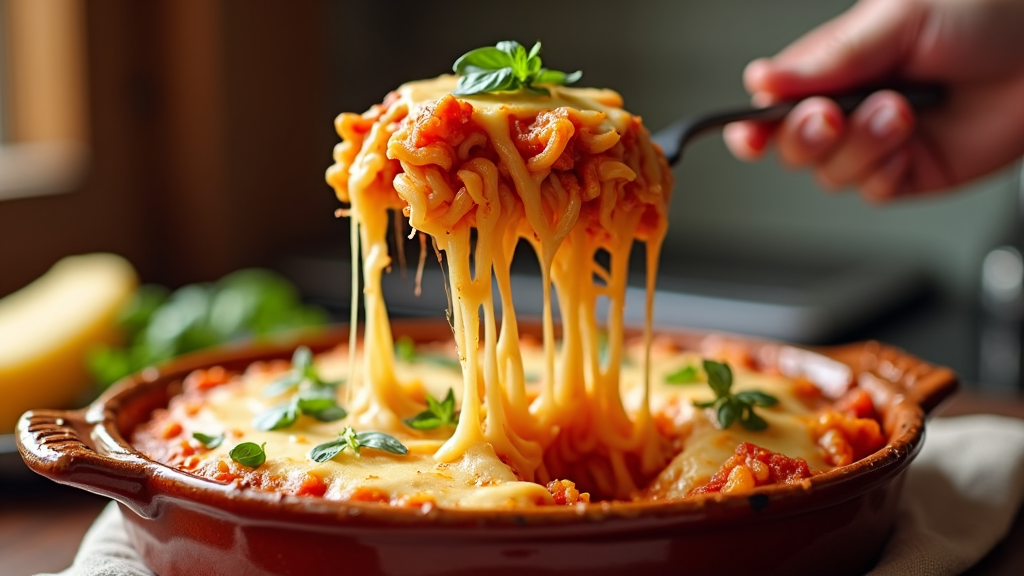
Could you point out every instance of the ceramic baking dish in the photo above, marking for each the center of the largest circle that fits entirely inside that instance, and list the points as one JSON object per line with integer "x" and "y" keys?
{"x": 181, "y": 524}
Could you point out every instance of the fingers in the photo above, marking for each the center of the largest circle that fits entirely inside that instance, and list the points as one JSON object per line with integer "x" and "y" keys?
{"x": 869, "y": 150}
{"x": 875, "y": 130}
{"x": 865, "y": 43}
{"x": 747, "y": 140}
{"x": 810, "y": 133}
{"x": 889, "y": 178}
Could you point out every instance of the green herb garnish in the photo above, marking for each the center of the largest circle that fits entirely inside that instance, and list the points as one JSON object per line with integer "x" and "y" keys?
{"x": 506, "y": 67}
{"x": 210, "y": 442}
{"x": 730, "y": 407}
{"x": 249, "y": 454}
{"x": 302, "y": 370}
{"x": 158, "y": 324}
{"x": 320, "y": 404}
{"x": 316, "y": 399}
{"x": 685, "y": 375}
{"x": 277, "y": 417}
{"x": 405, "y": 351}
{"x": 349, "y": 438}
{"x": 317, "y": 403}
{"x": 437, "y": 414}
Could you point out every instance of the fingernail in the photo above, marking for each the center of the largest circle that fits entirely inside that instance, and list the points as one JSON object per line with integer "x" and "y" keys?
{"x": 885, "y": 121}
{"x": 816, "y": 130}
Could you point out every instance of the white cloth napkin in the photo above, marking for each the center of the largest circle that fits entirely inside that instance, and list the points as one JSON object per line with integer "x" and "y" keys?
{"x": 960, "y": 498}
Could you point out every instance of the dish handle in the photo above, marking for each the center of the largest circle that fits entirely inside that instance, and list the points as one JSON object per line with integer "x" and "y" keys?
{"x": 64, "y": 446}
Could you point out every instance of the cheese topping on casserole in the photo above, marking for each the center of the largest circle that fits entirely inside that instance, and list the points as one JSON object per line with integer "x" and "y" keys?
{"x": 215, "y": 402}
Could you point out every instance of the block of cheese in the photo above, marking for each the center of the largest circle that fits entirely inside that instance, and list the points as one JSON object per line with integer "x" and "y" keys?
{"x": 47, "y": 327}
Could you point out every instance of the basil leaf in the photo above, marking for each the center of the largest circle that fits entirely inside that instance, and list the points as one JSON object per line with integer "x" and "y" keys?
{"x": 506, "y": 67}
{"x": 210, "y": 442}
{"x": 437, "y": 414}
{"x": 321, "y": 404}
{"x": 405, "y": 349}
{"x": 509, "y": 47}
{"x": 381, "y": 441}
{"x": 327, "y": 450}
{"x": 535, "y": 52}
{"x": 249, "y": 454}
{"x": 707, "y": 404}
{"x": 727, "y": 414}
{"x": 719, "y": 377}
{"x": 349, "y": 438}
{"x": 332, "y": 414}
{"x": 277, "y": 417}
{"x": 545, "y": 76}
{"x": 282, "y": 385}
{"x": 757, "y": 398}
{"x": 481, "y": 59}
{"x": 685, "y": 375}
{"x": 753, "y": 422}
{"x": 313, "y": 405}
{"x": 501, "y": 80}
{"x": 426, "y": 420}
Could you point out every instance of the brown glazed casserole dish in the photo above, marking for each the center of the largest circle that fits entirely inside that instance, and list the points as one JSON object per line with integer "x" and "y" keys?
{"x": 182, "y": 524}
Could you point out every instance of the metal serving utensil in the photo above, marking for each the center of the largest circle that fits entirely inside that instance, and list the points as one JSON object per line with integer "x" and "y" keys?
{"x": 674, "y": 137}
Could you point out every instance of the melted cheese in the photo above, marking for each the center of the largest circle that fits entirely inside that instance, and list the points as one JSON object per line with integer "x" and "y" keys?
{"x": 477, "y": 478}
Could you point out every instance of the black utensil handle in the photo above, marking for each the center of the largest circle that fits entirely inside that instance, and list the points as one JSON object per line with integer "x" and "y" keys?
{"x": 920, "y": 97}
{"x": 674, "y": 137}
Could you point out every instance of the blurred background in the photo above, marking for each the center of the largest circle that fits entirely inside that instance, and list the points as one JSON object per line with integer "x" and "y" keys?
{"x": 191, "y": 137}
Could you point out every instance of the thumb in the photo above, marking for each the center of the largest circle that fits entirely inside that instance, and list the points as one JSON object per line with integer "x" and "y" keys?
{"x": 862, "y": 46}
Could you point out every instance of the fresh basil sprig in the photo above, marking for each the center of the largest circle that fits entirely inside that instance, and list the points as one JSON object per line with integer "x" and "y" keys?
{"x": 506, "y": 67}
{"x": 730, "y": 407}
{"x": 249, "y": 454}
{"x": 210, "y": 442}
{"x": 302, "y": 370}
{"x": 316, "y": 402}
{"x": 438, "y": 413}
{"x": 315, "y": 397}
{"x": 349, "y": 438}
{"x": 685, "y": 375}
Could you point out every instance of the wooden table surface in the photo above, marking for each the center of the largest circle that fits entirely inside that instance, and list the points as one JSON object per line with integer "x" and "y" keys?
{"x": 42, "y": 523}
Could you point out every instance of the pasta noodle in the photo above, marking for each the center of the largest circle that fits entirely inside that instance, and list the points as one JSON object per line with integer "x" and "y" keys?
{"x": 572, "y": 174}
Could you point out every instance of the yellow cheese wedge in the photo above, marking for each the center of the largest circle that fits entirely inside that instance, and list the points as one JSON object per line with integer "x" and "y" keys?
{"x": 47, "y": 326}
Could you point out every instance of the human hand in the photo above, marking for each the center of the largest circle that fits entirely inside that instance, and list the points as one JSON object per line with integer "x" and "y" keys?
{"x": 973, "y": 47}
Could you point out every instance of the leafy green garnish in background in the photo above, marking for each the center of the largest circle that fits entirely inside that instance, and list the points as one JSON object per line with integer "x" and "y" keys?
{"x": 506, "y": 67}
{"x": 405, "y": 351}
{"x": 249, "y": 454}
{"x": 349, "y": 438}
{"x": 302, "y": 371}
{"x": 438, "y": 413}
{"x": 685, "y": 375}
{"x": 210, "y": 442}
{"x": 159, "y": 325}
{"x": 728, "y": 406}
{"x": 314, "y": 397}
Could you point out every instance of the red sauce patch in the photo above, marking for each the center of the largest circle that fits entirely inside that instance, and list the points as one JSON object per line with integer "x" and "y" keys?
{"x": 446, "y": 120}
{"x": 751, "y": 466}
